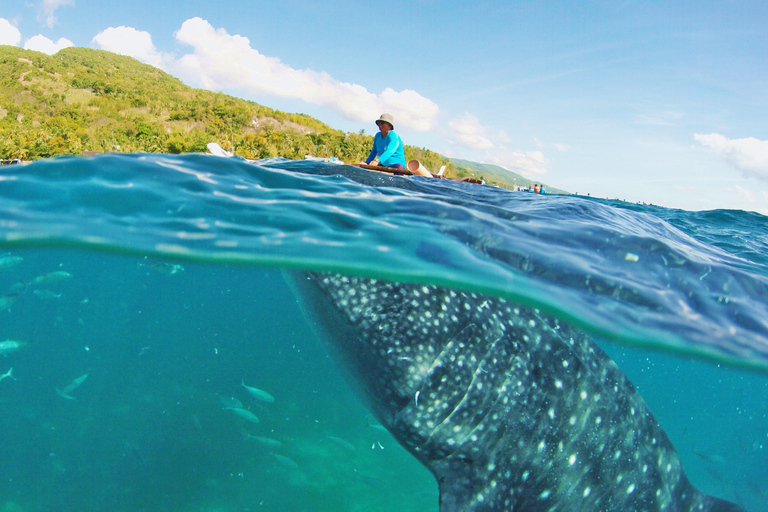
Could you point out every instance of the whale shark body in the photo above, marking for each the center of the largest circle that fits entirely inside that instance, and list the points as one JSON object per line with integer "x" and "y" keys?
{"x": 509, "y": 408}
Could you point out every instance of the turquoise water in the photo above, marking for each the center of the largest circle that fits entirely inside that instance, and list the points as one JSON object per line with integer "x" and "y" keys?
{"x": 173, "y": 296}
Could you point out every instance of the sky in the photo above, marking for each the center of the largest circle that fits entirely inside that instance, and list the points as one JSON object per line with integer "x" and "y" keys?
{"x": 663, "y": 102}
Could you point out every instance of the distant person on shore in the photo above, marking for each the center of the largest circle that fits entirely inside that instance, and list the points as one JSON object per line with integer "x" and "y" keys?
{"x": 387, "y": 145}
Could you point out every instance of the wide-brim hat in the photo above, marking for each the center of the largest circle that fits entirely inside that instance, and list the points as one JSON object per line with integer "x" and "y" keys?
{"x": 386, "y": 118}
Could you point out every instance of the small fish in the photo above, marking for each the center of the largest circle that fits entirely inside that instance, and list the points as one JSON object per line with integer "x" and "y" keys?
{"x": 243, "y": 413}
{"x": 9, "y": 261}
{"x": 162, "y": 267}
{"x": 132, "y": 449}
{"x": 17, "y": 288}
{"x": 259, "y": 394}
{"x": 8, "y": 346}
{"x": 266, "y": 441}
{"x": 757, "y": 489}
{"x": 65, "y": 392}
{"x": 47, "y": 294}
{"x": 51, "y": 277}
{"x": 376, "y": 425}
{"x": 7, "y": 375}
{"x": 715, "y": 473}
{"x": 374, "y": 482}
{"x": 7, "y": 300}
{"x": 229, "y": 401}
{"x": 710, "y": 458}
{"x": 285, "y": 461}
{"x": 342, "y": 442}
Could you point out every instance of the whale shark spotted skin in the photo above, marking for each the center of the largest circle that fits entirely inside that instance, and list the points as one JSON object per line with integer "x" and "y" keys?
{"x": 510, "y": 409}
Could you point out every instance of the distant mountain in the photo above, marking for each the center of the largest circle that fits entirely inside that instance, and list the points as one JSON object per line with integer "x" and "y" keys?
{"x": 85, "y": 100}
{"x": 499, "y": 176}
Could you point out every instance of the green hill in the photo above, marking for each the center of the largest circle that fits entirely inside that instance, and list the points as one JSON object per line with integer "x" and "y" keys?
{"x": 91, "y": 100}
{"x": 82, "y": 99}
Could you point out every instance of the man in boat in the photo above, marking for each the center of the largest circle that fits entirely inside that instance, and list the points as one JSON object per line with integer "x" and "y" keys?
{"x": 387, "y": 145}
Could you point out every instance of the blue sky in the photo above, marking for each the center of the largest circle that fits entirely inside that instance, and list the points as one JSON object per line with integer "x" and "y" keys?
{"x": 658, "y": 101}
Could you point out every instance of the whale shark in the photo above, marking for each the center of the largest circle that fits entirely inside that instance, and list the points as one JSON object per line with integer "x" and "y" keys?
{"x": 511, "y": 409}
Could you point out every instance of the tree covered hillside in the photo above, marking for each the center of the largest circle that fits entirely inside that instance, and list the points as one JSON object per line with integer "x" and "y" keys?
{"x": 82, "y": 99}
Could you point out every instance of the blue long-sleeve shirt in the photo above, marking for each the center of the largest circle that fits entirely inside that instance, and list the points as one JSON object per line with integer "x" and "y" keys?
{"x": 389, "y": 149}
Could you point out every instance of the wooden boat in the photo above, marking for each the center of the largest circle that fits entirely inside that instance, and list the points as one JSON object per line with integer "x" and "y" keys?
{"x": 414, "y": 167}
{"x": 381, "y": 168}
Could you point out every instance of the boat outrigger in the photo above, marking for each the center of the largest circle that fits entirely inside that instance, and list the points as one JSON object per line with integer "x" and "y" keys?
{"x": 414, "y": 167}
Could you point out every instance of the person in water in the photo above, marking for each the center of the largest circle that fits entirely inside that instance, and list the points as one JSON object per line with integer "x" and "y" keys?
{"x": 387, "y": 144}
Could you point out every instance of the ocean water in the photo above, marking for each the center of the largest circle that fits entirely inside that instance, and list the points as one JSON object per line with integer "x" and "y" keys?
{"x": 144, "y": 290}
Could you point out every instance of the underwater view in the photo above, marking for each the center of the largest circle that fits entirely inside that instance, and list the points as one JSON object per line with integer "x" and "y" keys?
{"x": 193, "y": 333}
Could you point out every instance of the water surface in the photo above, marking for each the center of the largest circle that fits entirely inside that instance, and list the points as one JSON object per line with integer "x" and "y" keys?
{"x": 174, "y": 296}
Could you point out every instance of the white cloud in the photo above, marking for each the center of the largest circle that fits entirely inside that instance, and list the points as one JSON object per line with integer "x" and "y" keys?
{"x": 48, "y": 9}
{"x": 755, "y": 200}
{"x": 40, "y": 43}
{"x": 410, "y": 108}
{"x": 764, "y": 201}
{"x": 660, "y": 118}
{"x": 557, "y": 146}
{"x": 9, "y": 34}
{"x": 133, "y": 43}
{"x": 500, "y": 136}
{"x": 468, "y": 132}
{"x": 526, "y": 163}
{"x": 223, "y": 61}
{"x": 749, "y": 155}
{"x": 746, "y": 193}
